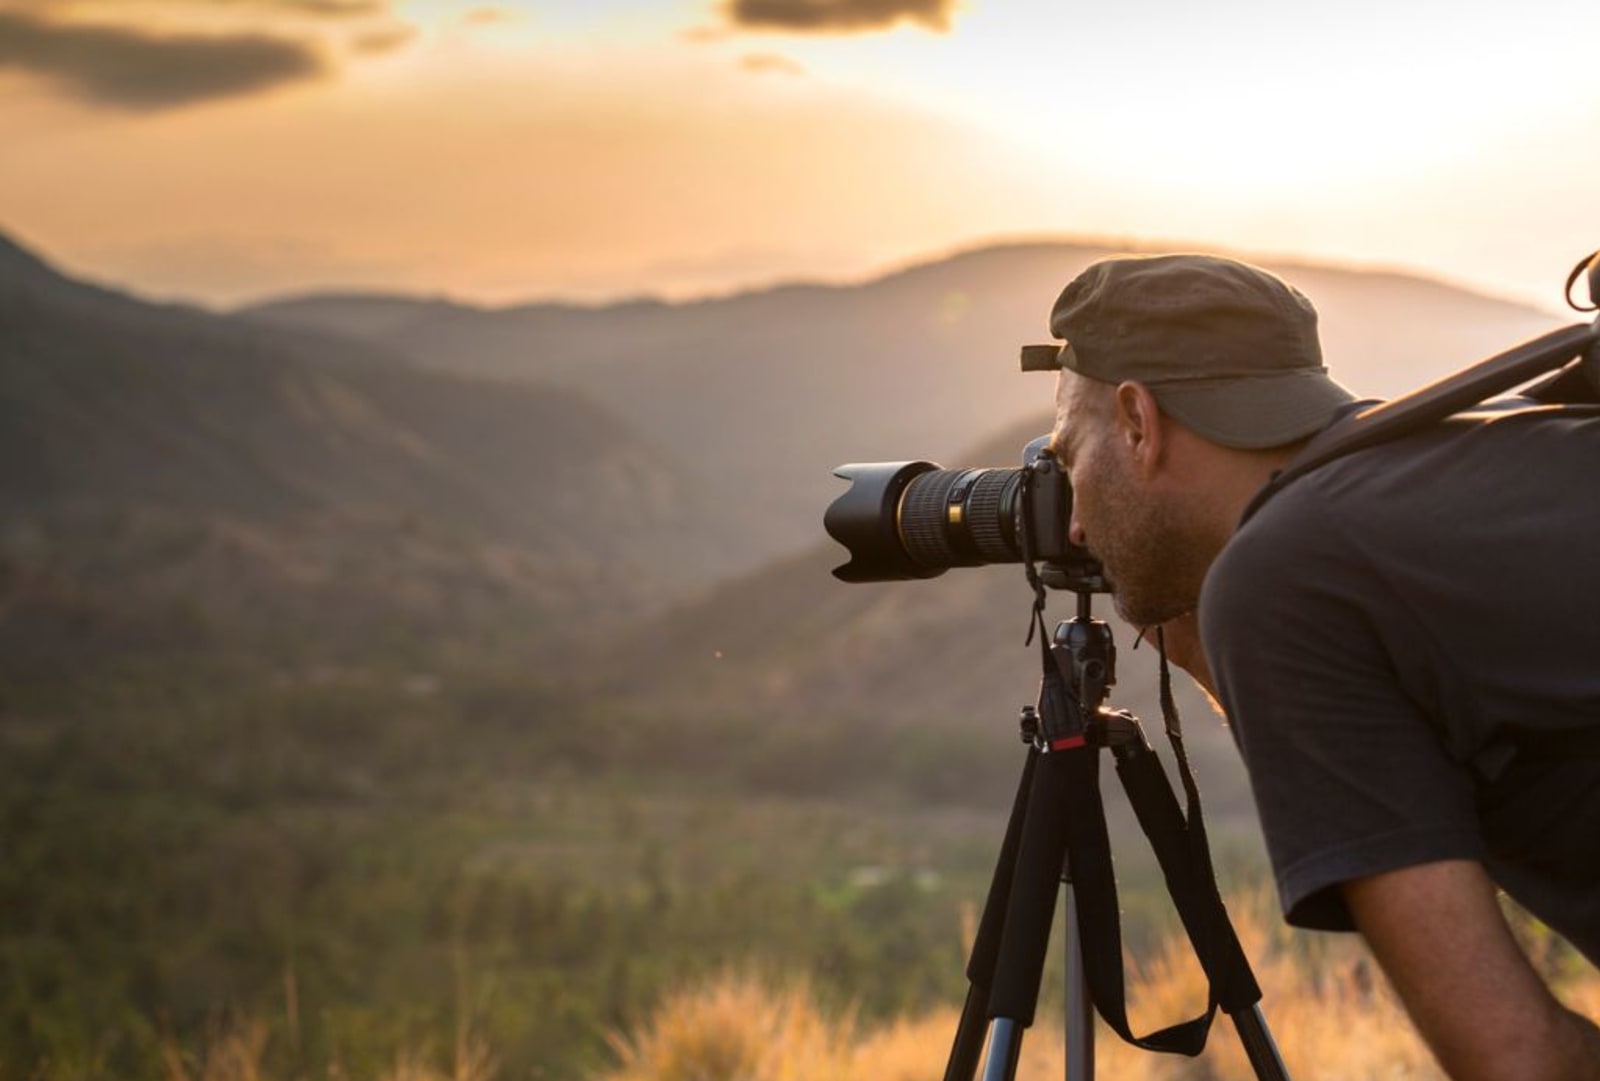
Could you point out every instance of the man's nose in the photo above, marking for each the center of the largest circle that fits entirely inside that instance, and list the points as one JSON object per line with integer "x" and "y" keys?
{"x": 1075, "y": 533}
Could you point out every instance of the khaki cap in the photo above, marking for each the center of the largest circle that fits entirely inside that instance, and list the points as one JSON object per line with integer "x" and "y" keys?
{"x": 1228, "y": 349}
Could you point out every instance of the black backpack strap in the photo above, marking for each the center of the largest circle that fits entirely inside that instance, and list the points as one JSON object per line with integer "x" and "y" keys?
{"x": 1556, "y": 745}
{"x": 1438, "y": 400}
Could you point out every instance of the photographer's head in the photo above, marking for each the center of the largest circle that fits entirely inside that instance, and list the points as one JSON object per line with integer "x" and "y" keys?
{"x": 1185, "y": 380}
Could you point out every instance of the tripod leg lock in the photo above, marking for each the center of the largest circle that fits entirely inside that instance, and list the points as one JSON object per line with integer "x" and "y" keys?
{"x": 1119, "y": 730}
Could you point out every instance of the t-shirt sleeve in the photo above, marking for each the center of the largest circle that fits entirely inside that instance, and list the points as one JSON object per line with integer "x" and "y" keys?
{"x": 1349, "y": 777}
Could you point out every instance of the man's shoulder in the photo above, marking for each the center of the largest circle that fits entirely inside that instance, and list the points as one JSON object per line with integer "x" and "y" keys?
{"x": 1304, "y": 550}
{"x": 1460, "y": 457}
{"x": 1296, "y": 532}
{"x": 1386, "y": 530}
{"x": 1395, "y": 494}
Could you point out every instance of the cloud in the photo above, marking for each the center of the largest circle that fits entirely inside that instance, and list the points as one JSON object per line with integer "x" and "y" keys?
{"x": 335, "y": 8}
{"x": 378, "y": 42}
{"x": 705, "y": 35}
{"x": 319, "y": 8}
{"x": 763, "y": 63}
{"x": 130, "y": 69}
{"x": 838, "y": 16}
{"x": 488, "y": 16}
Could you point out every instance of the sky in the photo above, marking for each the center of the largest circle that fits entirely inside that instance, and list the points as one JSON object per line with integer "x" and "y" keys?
{"x": 224, "y": 151}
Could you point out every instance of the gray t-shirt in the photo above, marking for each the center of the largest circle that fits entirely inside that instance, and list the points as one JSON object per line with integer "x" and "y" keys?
{"x": 1385, "y": 634}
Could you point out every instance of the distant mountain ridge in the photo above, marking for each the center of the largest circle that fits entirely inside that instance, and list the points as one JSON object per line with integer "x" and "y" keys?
{"x": 559, "y": 465}
{"x": 158, "y": 457}
{"x": 766, "y": 391}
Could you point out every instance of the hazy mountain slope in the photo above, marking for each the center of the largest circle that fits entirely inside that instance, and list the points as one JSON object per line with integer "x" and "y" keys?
{"x": 791, "y": 647}
{"x": 791, "y": 638}
{"x": 153, "y": 457}
{"x": 767, "y": 391}
{"x": 743, "y": 404}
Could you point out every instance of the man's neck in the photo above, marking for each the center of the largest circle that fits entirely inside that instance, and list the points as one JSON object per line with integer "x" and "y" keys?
{"x": 1231, "y": 479}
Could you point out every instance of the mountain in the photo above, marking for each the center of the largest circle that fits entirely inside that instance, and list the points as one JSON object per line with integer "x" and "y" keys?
{"x": 167, "y": 474}
{"x": 568, "y": 465}
{"x": 790, "y": 641}
{"x": 765, "y": 392}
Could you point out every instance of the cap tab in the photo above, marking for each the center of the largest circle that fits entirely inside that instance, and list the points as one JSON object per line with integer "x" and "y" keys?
{"x": 1041, "y": 358}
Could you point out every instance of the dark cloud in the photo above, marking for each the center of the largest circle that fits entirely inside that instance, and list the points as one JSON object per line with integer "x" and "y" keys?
{"x": 838, "y": 16}
{"x": 130, "y": 69}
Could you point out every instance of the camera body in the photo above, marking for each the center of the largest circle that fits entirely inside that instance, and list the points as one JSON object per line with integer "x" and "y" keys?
{"x": 904, "y": 520}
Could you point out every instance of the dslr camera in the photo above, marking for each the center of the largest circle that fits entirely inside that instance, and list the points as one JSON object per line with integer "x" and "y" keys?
{"x": 903, "y": 520}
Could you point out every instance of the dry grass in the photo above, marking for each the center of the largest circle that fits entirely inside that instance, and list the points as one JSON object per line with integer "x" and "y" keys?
{"x": 1333, "y": 1017}
{"x": 739, "y": 1026}
{"x": 233, "y": 1054}
{"x": 238, "y": 1053}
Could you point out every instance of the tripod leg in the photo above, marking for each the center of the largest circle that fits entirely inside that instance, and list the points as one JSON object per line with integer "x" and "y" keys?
{"x": 1026, "y": 937}
{"x": 1034, "y": 886}
{"x": 1079, "y": 1028}
{"x": 1005, "y": 1050}
{"x": 1259, "y": 1046}
{"x": 967, "y": 1050}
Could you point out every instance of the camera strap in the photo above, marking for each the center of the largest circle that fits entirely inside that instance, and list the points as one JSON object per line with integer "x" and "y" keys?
{"x": 1199, "y": 900}
{"x": 1178, "y": 839}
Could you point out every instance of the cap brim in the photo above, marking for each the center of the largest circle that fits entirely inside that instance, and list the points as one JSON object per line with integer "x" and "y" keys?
{"x": 1255, "y": 412}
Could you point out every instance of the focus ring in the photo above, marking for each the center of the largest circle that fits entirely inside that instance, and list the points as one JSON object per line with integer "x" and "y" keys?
{"x": 985, "y": 518}
{"x": 924, "y": 511}
{"x": 960, "y": 517}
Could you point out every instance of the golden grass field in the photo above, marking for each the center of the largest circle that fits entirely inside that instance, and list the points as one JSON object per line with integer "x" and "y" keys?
{"x": 1331, "y": 1012}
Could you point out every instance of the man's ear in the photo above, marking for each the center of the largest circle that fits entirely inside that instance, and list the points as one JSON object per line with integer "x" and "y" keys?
{"x": 1138, "y": 427}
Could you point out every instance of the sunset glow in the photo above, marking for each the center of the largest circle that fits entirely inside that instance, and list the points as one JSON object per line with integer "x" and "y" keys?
{"x": 510, "y": 150}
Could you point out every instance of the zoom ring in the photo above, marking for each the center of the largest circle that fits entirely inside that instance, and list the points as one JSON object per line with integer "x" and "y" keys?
{"x": 985, "y": 517}
{"x": 924, "y": 513}
{"x": 959, "y": 517}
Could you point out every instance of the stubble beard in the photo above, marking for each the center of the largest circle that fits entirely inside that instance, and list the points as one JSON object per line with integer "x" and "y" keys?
{"x": 1154, "y": 562}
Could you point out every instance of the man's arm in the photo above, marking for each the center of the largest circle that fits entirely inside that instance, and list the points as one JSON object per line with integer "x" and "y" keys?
{"x": 1437, "y": 931}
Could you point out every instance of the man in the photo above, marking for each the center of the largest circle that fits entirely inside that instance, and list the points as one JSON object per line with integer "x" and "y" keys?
{"x": 1403, "y": 639}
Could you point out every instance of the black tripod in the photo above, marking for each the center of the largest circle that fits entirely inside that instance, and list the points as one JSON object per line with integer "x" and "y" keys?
{"x": 1057, "y": 834}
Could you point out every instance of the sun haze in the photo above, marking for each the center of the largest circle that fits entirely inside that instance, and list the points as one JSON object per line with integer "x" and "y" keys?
{"x": 224, "y": 150}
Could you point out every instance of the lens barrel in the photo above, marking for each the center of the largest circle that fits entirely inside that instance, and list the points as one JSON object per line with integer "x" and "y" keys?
{"x": 961, "y": 517}
{"x": 903, "y": 520}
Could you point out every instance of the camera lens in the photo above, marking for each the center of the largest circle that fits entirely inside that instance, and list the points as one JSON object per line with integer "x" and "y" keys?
{"x": 914, "y": 520}
{"x": 961, "y": 517}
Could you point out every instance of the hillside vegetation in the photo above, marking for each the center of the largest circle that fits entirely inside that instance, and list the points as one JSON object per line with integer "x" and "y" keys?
{"x": 169, "y": 476}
